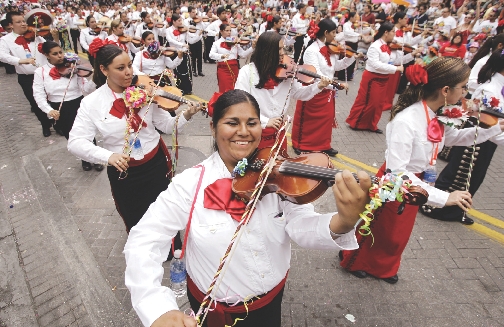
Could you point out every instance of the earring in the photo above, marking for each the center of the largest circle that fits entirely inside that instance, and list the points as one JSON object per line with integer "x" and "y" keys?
{"x": 445, "y": 102}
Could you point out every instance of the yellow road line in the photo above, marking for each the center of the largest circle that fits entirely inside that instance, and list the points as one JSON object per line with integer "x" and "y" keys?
{"x": 83, "y": 56}
{"x": 357, "y": 163}
{"x": 499, "y": 237}
{"x": 486, "y": 218}
{"x": 196, "y": 98}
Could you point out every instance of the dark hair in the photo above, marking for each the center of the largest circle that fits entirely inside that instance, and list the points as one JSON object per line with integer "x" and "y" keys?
{"x": 274, "y": 20}
{"x": 146, "y": 34}
{"x": 220, "y": 10}
{"x": 495, "y": 64}
{"x": 398, "y": 15}
{"x": 4, "y": 23}
{"x": 143, "y": 15}
{"x": 228, "y": 99}
{"x": 424, "y": 6}
{"x": 490, "y": 45}
{"x": 266, "y": 57}
{"x": 300, "y": 6}
{"x": 453, "y": 39}
{"x": 441, "y": 72}
{"x": 104, "y": 57}
{"x": 88, "y": 18}
{"x": 401, "y": 8}
{"x": 174, "y": 17}
{"x": 385, "y": 27}
{"x": 325, "y": 25}
{"x": 190, "y": 8}
{"x": 48, "y": 45}
{"x": 351, "y": 14}
{"x": 9, "y": 15}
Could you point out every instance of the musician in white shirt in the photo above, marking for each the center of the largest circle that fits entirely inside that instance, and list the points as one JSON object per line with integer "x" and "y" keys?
{"x": 88, "y": 34}
{"x": 214, "y": 28}
{"x": 274, "y": 223}
{"x": 351, "y": 39}
{"x": 116, "y": 32}
{"x": 194, "y": 39}
{"x": 178, "y": 40}
{"x": 57, "y": 95}
{"x": 145, "y": 25}
{"x": 300, "y": 23}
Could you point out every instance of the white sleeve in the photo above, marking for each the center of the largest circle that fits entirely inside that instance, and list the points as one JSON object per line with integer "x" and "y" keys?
{"x": 348, "y": 31}
{"x": 172, "y": 63}
{"x": 164, "y": 121}
{"x": 465, "y": 136}
{"x": 499, "y": 139}
{"x": 375, "y": 63}
{"x": 39, "y": 93}
{"x": 136, "y": 61}
{"x": 5, "y": 55}
{"x": 304, "y": 93}
{"x": 214, "y": 54}
{"x": 83, "y": 41}
{"x": 88, "y": 86}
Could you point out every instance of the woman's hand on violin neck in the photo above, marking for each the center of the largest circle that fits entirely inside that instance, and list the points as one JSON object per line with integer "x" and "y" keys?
{"x": 463, "y": 199}
{"x": 180, "y": 54}
{"x": 324, "y": 82}
{"x": 174, "y": 318}
{"x": 120, "y": 161}
{"x": 54, "y": 114}
{"x": 351, "y": 199}
{"x": 191, "y": 110}
{"x": 275, "y": 122}
{"x": 501, "y": 124}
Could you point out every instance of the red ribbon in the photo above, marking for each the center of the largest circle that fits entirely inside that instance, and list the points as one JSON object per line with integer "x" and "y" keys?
{"x": 210, "y": 104}
{"x": 54, "y": 73}
{"x": 435, "y": 131}
{"x": 146, "y": 55}
{"x": 399, "y": 33}
{"x": 325, "y": 52}
{"x": 416, "y": 74}
{"x": 313, "y": 30}
{"x": 302, "y": 17}
{"x": 270, "y": 84}
{"x": 20, "y": 40}
{"x": 219, "y": 196}
{"x": 225, "y": 46}
{"x": 119, "y": 109}
{"x": 176, "y": 32}
{"x": 39, "y": 48}
{"x": 385, "y": 48}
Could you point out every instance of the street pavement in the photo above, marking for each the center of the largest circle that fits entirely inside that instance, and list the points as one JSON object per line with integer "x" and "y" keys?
{"x": 61, "y": 238}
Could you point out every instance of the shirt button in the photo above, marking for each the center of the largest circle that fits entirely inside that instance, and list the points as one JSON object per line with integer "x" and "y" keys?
{"x": 255, "y": 254}
{"x": 262, "y": 275}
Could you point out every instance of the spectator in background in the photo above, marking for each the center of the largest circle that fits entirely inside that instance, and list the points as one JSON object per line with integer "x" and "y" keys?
{"x": 422, "y": 16}
{"x": 455, "y": 48}
{"x": 445, "y": 23}
{"x": 368, "y": 16}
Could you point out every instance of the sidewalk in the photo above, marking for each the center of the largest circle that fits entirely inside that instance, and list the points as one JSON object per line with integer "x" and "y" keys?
{"x": 61, "y": 241}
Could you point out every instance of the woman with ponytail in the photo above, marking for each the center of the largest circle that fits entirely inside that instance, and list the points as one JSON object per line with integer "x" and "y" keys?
{"x": 374, "y": 92}
{"x": 491, "y": 80}
{"x": 50, "y": 89}
{"x": 414, "y": 138}
{"x": 481, "y": 57}
{"x": 137, "y": 179}
{"x": 275, "y": 24}
{"x": 314, "y": 119}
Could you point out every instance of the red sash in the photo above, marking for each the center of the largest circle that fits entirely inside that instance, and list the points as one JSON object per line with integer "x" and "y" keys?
{"x": 221, "y": 312}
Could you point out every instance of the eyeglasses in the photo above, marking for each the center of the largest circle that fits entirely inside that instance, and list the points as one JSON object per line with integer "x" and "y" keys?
{"x": 464, "y": 88}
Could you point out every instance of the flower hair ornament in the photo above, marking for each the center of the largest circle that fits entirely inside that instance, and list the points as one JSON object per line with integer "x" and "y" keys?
{"x": 211, "y": 102}
{"x": 313, "y": 30}
{"x": 97, "y": 44}
{"x": 153, "y": 48}
{"x": 269, "y": 19}
{"x": 416, "y": 74}
{"x": 39, "y": 48}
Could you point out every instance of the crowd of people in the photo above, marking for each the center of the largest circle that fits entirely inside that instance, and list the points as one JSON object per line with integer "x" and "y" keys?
{"x": 439, "y": 57}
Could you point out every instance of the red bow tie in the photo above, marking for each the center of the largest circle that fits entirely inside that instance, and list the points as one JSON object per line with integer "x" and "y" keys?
{"x": 54, "y": 73}
{"x": 302, "y": 17}
{"x": 176, "y": 32}
{"x": 270, "y": 84}
{"x": 399, "y": 33}
{"x": 435, "y": 131}
{"x": 20, "y": 40}
{"x": 119, "y": 109}
{"x": 325, "y": 52}
{"x": 385, "y": 48}
{"x": 225, "y": 46}
{"x": 220, "y": 196}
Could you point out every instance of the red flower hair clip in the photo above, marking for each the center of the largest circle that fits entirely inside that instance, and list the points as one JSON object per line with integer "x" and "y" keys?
{"x": 211, "y": 102}
{"x": 39, "y": 48}
{"x": 97, "y": 44}
{"x": 416, "y": 74}
{"x": 313, "y": 30}
{"x": 269, "y": 19}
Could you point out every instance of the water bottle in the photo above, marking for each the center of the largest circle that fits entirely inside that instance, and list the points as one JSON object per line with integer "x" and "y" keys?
{"x": 178, "y": 275}
{"x": 430, "y": 175}
{"x": 136, "y": 146}
{"x": 28, "y": 54}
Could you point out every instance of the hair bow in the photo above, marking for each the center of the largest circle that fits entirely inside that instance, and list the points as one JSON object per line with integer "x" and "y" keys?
{"x": 39, "y": 48}
{"x": 416, "y": 74}
{"x": 168, "y": 19}
{"x": 269, "y": 19}
{"x": 211, "y": 102}
{"x": 501, "y": 22}
{"x": 97, "y": 44}
{"x": 313, "y": 30}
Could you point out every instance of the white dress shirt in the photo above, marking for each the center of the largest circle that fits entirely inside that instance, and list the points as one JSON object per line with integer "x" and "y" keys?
{"x": 213, "y": 29}
{"x": 312, "y": 56}
{"x": 260, "y": 261}
{"x": 271, "y": 102}
{"x": 473, "y": 77}
{"x": 409, "y": 150}
{"x": 128, "y": 47}
{"x": 350, "y": 34}
{"x": 45, "y": 88}
{"x": 236, "y": 51}
{"x": 11, "y": 53}
{"x": 176, "y": 41}
{"x": 194, "y": 37}
{"x": 381, "y": 62}
{"x": 142, "y": 27}
{"x": 86, "y": 38}
{"x": 301, "y": 25}
{"x": 154, "y": 67}
{"x": 407, "y": 38}
{"x": 94, "y": 116}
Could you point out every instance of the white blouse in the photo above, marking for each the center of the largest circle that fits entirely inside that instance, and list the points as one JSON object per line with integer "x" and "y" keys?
{"x": 94, "y": 116}
{"x": 45, "y": 88}
{"x": 141, "y": 28}
{"x": 381, "y": 62}
{"x": 301, "y": 25}
{"x": 236, "y": 51}
{"x": 11, "y": 53}
{"x": 85, "y": 38}
{"x": 154, "y": 67}
{"x": 409, "y": 150}
{"x": 176, "y": 41}
{"x": 260, "y": 261}
{"x": 312, "y": 56}
{"x": 271, "y": 102}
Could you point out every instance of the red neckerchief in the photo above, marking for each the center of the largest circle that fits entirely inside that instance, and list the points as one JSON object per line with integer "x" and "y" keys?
{"x": 399, "y": 33}
{"x": 54, "y": 73}
{"x": 20, "y": 40}
{"x": 176, "y": 32}
{"x": 119, "y": 109}
{"x": 146, "y": 55}
{"x": 325, "y": 52}
{"x": 219, "y": 196}
{"x": 225, "y": 46}
{"x": 386, "y": 48}
{"x": 302, "y": 17}
{"x": 270, "y": 84}
{"x": 435, "y": 132}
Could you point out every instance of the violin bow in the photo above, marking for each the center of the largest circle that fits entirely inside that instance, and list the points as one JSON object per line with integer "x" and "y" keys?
{"x": 68, "y": 85}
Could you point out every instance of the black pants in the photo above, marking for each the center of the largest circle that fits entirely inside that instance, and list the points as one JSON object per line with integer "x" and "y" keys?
{"x": 68, "y": 112}
{"x": 184, "y": 75}
{"x": 403, "y": 82}
{"x": 267, "y": 316}
{"x": 298, "y": 46}
{"x": 26, "y": 82}
{"x": 74, "y": 34}
{"x": 91, "y": 59}
{"x": 209, "y": 41}
{"x": 9, "y": 69}
{"x": 196, "y": 50}
{"x": 347, "y": 74}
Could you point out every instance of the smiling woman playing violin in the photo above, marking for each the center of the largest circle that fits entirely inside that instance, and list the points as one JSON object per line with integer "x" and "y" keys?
{"x": 105, "y": 111}
{"x": 58, "y": 95}
{"x": 262, "y": 258}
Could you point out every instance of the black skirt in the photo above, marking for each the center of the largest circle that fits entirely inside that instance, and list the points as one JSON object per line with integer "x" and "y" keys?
{"x": 68, "y": 112}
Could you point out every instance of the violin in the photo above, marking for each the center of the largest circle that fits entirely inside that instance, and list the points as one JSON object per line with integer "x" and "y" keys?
{"x": 166, "y": 97}
{"x": 205, "y": 19}
{"x": 182, "y": 29}
{"x": 84, "y": 70}
{"x": 487, "y": 118}
{"x": 29, "y": 35}
{"x": 305, "y": 73}
{"x": 335, "y": 48}
{"x": 301, "y": 179}
{"x": 101, "y": 29}
{"x": 158, "y": 25}
{"x": 396, "y": 46}
{"x": 240, "y": 41}
{"x": 123, "y": 39}
{"x": 197, "y": 19}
